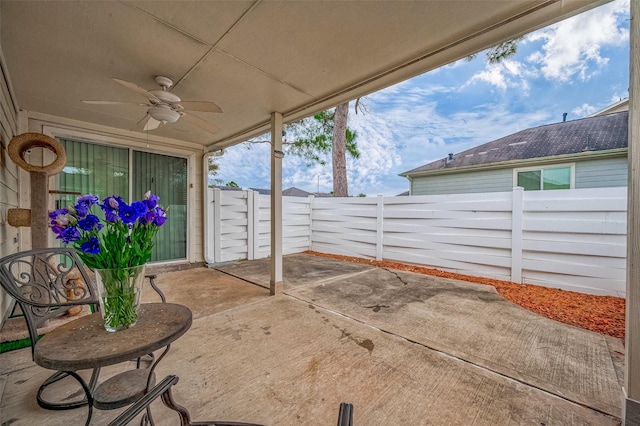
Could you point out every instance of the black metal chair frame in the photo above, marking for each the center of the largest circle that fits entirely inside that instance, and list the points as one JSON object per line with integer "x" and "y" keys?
{"x": 163, "y": 389}
{"x": 44, "y": 284}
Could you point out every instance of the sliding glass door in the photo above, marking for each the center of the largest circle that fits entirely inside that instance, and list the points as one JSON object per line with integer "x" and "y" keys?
{"x": 105, "y": 170}
{"x": 93, "y": 169}
{"x": 166, "y": 177}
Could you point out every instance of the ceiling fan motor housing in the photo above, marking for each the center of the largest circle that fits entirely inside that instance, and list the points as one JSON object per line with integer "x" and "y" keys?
{"x": 164, "y": 96}
{"x": 164, "y": 113}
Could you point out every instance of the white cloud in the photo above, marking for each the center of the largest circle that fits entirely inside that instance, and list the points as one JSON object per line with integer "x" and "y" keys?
{"x": 584, "y": 110}
{"x": 506, "y": 74}
{"x": 572, "y": 47}
{"x": 421, "y": 120}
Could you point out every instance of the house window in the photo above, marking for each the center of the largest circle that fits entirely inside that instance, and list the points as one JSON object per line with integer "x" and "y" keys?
{"x": 546, "y": 178}
{"x": 106, "y": 170}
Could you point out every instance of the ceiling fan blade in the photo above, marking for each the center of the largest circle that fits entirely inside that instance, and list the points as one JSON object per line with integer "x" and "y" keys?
{"x": 199, "y": 122}
{"x": 113, "y": 103}
{"x": 200, "y": 106}
{"x": 136, "y": 88}
{"x": 152, "y": 124}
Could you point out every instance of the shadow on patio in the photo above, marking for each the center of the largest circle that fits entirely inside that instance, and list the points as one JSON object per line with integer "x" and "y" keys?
{"x": 405, "y": 349}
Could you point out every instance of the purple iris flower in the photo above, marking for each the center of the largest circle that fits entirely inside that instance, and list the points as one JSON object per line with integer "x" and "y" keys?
{"x": 127, "y": 214}
{"x": 57, "y": 229}
{"x": 152, "y": 201}
{"x": 110, "y": 206}
{"x": 89, "y": 223}
{"x": 92, "y": 246}
{"x": 69, "y": 234}
{"x": 139, "y": 207}
{"x": 110, "y": 216}
{"x": 161, "y": 217}
{"x": 148, "y": 217}
{"x": 84, "y": 203}
{"x": 54, "y": 214}
{"x": 112, "y": 202}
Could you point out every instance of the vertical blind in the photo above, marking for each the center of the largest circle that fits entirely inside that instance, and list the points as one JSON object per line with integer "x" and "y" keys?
{"x": 94, "y": 169}
{"x": 166, "y": 177}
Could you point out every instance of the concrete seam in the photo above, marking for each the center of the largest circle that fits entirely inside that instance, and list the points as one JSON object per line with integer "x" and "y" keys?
{"x": 455, "y": 357}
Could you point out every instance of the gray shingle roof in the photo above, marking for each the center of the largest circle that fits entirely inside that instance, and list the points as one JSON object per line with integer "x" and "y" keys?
{"x": 295, "y": 192}
{"x": 599, "y": 133}
{"x": 261, "y": 191}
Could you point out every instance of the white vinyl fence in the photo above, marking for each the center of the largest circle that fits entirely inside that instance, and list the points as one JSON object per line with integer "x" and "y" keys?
{"x": 569, "y": 239}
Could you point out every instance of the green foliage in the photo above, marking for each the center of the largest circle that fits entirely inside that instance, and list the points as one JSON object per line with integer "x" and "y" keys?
{"x": 499, "y": 52}
{"x": 313, "y": 138}
{"x": 362, "y": 194}
{"x": 502, "y": 51}
{"x": 213, "y": 167}
{"x": 232, "y": 184}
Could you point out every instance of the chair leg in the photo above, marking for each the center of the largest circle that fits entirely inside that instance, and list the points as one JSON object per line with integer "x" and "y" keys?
{"x": 163, "y": 390}
{"x": 56, "y": 377}
{"x": 345, "y": 416}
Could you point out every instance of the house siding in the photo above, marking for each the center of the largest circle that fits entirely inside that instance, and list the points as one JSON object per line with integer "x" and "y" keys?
{"x": 463, "y": 183}
{"x": 601, "y": 173}
{"x": 604, "y": 173}
{"x": 9, "y": 188}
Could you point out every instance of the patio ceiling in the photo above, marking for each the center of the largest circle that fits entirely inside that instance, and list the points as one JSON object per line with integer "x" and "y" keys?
{"x": 250, "y": 57}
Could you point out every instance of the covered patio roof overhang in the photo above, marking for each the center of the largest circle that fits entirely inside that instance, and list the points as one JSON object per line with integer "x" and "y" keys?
{"x": 265, "y": 63}
{"x": 252, "y": 58}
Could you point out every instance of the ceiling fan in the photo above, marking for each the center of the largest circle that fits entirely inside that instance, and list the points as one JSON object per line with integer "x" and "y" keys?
{"x": 165, "y": 107}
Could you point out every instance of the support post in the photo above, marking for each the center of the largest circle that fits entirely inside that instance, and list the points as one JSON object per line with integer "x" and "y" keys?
{"x": 251, "y": 225}
{"x": 311, "y": 199}
{"x": 276, "y": 284}
{"x": 39, "y": 210}
{"x": 217, "y": 209}
{"x": 517, "y": 206}
{"x": 631, "y": 391}
{"x": 379, "y": 227}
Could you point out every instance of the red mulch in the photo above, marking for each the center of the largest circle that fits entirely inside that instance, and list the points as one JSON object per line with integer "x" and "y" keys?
{"x": 602, "y": 314}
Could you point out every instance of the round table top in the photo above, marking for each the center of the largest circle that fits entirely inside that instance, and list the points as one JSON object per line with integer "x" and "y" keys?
{"x": 84, "y": 343}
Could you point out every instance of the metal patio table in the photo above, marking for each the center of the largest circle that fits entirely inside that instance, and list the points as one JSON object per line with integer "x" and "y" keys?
{"x": 85, "y": 344}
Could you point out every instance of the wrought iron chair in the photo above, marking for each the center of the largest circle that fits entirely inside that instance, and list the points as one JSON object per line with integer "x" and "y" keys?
{"x": 163, "y": 390}
{"x": 46, "y": 284}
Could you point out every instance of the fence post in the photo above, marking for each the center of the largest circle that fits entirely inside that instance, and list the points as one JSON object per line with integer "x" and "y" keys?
{"x": 516, "y": 234}
{"x": 217, "y": 204}
{"x": 250, "y": 225}
{"x": 256, "y": 225}
{"x": 311, "y": 199}
{"x": 379, "y": 228}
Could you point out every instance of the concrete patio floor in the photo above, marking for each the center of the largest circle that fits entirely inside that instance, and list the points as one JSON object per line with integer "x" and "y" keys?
{"x": 405, "y": 349}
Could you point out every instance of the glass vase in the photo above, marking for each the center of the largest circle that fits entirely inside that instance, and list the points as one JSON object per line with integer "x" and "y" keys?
{"x": 119, "y": 291}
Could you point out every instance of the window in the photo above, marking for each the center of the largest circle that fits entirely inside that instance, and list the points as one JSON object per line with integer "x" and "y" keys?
{"x": 546, "y": 178}
{"x": 107, "y": 170}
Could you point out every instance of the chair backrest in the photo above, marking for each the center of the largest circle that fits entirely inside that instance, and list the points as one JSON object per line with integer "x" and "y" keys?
{"x": 46, "y": 283}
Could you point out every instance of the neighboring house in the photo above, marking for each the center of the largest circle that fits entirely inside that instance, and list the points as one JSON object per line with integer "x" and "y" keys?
{"x": 297, "y": 192}
{"x": 261, "y": 191}
{"x": 586, "y": 153}
{"x": 622, "y": 105}
{"x": 226, "y": 188}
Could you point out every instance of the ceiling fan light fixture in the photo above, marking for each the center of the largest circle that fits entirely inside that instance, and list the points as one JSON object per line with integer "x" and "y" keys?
{"x": 164, "y": 114}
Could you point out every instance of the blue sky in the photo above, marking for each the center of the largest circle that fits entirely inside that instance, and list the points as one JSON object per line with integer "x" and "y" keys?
{"x": 577, "y": 66}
